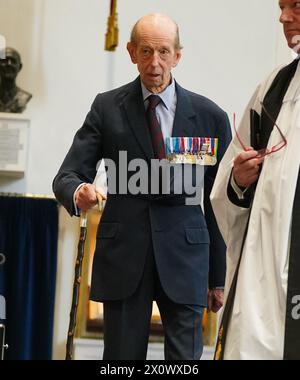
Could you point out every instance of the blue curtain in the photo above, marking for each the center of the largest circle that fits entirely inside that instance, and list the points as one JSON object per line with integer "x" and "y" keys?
{"x": 28, "y": 239}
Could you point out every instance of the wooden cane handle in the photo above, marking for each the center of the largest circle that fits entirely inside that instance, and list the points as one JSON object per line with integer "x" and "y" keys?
{"x": 100, "y": 201}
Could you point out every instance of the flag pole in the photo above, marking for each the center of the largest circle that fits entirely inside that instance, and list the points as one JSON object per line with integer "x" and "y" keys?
{"x": 112, "y": 34}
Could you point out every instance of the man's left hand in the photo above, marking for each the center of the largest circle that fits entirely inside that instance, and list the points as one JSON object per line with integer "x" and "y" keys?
{"x": 215, "y": 299}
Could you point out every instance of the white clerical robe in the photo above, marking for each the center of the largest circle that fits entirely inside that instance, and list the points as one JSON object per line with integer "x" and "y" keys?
{"x": 256, "y": 327}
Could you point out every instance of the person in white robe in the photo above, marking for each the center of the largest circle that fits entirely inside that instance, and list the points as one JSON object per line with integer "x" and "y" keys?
{"x": 260, "y": 233}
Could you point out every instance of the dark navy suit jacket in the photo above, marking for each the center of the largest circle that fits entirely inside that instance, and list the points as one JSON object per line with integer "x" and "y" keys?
{"x": 188, "y": 248}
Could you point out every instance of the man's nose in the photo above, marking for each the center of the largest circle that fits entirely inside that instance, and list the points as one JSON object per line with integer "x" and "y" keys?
{"x": 155, "y": 59}
{"x": 286, "y": 15}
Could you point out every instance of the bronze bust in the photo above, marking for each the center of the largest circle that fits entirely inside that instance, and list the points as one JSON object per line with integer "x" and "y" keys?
{"x": 12, "y": 98}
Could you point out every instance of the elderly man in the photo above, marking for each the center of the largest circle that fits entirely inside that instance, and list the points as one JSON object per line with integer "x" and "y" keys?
{"x": 12, "y": 98}
{"x": 149, "y": 246}
{"x": 256, "y": 201}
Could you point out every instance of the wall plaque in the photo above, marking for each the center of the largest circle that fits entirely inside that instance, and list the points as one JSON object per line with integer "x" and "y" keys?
{"x": 14, "y": 130}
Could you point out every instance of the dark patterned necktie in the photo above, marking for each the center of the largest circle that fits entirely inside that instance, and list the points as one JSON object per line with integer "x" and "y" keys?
{"x": 154, "y": 128}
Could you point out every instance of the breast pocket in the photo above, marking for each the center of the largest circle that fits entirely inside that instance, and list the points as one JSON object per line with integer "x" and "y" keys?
{"x": 197, "y": 235}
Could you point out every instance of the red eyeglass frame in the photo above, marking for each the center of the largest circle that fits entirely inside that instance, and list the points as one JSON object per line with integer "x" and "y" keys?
{"x": 264, "y": 151}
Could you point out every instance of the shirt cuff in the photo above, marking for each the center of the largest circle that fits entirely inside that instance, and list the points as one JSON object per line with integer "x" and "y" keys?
{"x": 239, "y": 192}
{"x": 77, "y": 210}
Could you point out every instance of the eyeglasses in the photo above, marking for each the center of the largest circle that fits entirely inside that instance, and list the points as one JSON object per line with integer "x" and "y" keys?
{"x": 264, "y": 151}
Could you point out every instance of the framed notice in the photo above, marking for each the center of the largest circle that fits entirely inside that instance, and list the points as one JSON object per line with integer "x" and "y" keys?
{"x": 14, "y": 131}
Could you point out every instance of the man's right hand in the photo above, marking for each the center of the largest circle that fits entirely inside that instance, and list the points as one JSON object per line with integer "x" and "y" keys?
{"x": 246, "y": 168}
{"x": 87, "y": 197}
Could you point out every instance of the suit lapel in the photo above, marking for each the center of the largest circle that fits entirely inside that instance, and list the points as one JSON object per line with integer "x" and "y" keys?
{"x": 135, "y": 111}
{"x": 183, "y": 122}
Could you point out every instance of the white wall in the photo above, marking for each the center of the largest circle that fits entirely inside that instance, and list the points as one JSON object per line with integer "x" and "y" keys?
{"x": 229, "y": 46}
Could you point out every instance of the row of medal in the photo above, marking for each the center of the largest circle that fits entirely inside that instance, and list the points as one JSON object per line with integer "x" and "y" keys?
{"x": 192, "y": 150}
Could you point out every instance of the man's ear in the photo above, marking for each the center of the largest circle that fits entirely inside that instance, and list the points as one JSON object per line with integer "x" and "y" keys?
{"x": 176, "y": 58}
{"x": 132, "y": 52}
{"x": 21, "y": 65}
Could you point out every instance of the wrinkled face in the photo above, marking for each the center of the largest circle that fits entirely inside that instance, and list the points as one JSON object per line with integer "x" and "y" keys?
{"x": 155, "y": 55}
{"x": 11, "y": 65}
{"x": 290, "y": 18}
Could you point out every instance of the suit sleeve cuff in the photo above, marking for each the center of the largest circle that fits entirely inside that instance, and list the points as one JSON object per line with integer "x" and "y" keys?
{"x": 77, "y": 210}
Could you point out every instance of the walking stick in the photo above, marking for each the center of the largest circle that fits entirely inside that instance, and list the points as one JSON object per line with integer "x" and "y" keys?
{"x": 3, "y": 346}
{"x": 77, "y": 280}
